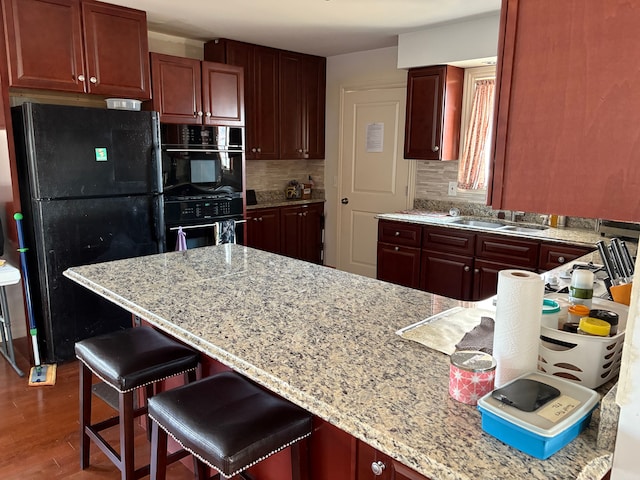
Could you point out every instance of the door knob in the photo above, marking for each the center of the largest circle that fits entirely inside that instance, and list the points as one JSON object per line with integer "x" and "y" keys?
{"x": 344, "y": 201}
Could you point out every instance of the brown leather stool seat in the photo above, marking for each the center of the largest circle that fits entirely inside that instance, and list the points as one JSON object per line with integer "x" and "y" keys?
{"x": 229, "y": 424}
{"x": 126, "y": 360}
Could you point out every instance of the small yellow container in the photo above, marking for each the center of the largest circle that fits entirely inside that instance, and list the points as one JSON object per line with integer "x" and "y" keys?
{"x": 594, "y": 326}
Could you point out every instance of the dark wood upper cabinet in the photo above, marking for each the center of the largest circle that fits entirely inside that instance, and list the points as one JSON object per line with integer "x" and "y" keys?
{"x": 189, "y": 91}
{"x": 177, "y": 86}
{"x": 261, "y": 67}
{"x": 302, "y": 105}
{"x": 567, "y": 109}
{"x": 285, "y": 99}
{"x": 77, "y": 46}
{"x": 434, "y": 107}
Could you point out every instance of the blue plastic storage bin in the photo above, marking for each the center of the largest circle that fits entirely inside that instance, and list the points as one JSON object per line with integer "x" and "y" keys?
{"x": 531, "y": 433}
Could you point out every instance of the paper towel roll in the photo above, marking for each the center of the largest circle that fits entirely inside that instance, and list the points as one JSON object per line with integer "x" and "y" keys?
{"x": 516, "y": 337}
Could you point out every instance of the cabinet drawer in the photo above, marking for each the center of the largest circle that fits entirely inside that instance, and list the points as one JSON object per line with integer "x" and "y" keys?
{"x": 553, "y": 255}
{"x": 519, "y": 253}
{"x": 399, "y": 233}
{"x": 448, "y": 240}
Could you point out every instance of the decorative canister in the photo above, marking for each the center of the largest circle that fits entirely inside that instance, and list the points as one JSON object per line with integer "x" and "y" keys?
{"x": 471, "y": 375}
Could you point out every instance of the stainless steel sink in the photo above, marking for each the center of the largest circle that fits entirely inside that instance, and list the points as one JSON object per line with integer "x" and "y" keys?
{"x": 524, "y": 229}
{"x": 478, "y": 223}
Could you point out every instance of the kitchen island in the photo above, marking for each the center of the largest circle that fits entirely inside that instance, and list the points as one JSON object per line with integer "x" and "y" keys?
{"x": 325, "y": 340}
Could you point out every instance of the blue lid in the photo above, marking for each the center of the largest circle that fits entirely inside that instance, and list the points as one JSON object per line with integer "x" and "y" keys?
{"x": 550, "y": 306}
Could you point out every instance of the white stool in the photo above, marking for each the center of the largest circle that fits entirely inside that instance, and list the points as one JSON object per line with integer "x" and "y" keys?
{"x": 8, "y": 276}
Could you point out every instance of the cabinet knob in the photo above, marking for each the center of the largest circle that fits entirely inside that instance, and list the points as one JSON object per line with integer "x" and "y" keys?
{"x": 344, "y": 201}
{"x": 254, "y": 150}
{"x": 197, "y": 114}
{"x": 397, "y": 249}
{"x": 259, "y": 150}
{"x": 81, "y": 78}
{"x": 435, "y": 148}
{"x": 304, "y": 214}
{"x": 377, "y": 468}
{"x": 561, "y": 259}
{"x": 208, "y": 114}
{"x": 475, "y": 270}
{"x": 93, "y": 80}
{"x": 300, "y": 214}
{"x": 397, "y": 234}
{"x": 299, "y": 150}
{"x": 467, "y": 268}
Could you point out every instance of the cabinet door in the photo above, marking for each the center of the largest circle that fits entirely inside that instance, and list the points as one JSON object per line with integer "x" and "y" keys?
{"x": 116, "y": 51}
{"x": 33, "y": 29}
{"x": 260, "y": 66}
{"x": 222, "y": 94}
{"x": 485, "y": 278}
{"x": 176, "y": 89}
{"x": 291, "y": 106}
{"x": 266, "y": 101}
{"x": 446, "y": 274}
{"x": 290, "y": 224}
{"x": 314, "y": 87}
{"x": 374, "y": 465}
{"x": 398, "y": 264}
{"x": 553, "y": 255}
{"x": 311, "y": 235}
{"x": 263, "y": 229}
{"x": 567, "y": 108}
{"x": 434, "y": 107}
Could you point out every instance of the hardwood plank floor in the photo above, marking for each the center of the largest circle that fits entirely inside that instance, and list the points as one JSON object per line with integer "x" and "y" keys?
{"x": 39, "y": 428}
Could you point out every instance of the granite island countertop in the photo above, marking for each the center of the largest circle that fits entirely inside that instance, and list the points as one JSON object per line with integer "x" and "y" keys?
{"x": 325, "y": 340}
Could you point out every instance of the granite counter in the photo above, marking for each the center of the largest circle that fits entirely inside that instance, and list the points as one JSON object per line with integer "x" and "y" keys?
{"x": 325, "y": 340}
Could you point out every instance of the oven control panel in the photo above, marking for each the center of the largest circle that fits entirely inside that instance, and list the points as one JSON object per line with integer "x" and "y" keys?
{"x": 189, "y": 212}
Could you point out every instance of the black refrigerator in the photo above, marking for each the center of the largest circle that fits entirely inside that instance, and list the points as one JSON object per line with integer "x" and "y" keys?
{"x": 91, "y": 191}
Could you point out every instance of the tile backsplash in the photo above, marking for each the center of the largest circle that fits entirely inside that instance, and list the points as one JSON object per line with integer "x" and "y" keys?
{"x": 274, "y": 175}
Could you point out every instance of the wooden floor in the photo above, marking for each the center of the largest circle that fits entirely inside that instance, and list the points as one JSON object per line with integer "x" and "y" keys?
{"x": 39, "y": 428}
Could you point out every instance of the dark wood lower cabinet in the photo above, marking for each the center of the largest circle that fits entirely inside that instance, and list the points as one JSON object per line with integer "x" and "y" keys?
{"x": 446, "y": 274}
{"x": 399, "y": 265}
{"x": 294, "y": 231}
{"x": 263, "y": 229}
{"x": 458, "y": 263}
{"x": 374, "y": 465}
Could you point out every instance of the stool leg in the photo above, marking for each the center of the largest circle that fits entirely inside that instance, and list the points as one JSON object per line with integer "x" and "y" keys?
{"x": 202, "y": 470}
{"x": 158, "y": 453}
{"x": 127, "y": 465}
{"x": 149, "y": 389}
{"x": 300, "y": 460}
{"x": 85, "y": 414}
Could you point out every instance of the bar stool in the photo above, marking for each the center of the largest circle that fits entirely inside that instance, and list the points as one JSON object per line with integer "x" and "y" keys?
{"x": 229, "y": 424}
{"x": 126, "y": 360}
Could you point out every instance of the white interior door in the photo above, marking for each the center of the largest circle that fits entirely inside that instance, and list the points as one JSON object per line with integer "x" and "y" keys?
{"x": 374, "y": 176}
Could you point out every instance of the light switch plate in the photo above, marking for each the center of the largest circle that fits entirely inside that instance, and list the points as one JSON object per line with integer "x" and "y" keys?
{"x": 453, "y": 189}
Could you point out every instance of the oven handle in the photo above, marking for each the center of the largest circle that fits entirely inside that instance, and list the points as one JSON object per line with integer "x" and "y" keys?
{"x": 189, "y": 227}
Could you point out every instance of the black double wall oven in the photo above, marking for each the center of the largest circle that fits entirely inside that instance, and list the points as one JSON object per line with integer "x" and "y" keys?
{"x": 203, "y": 184}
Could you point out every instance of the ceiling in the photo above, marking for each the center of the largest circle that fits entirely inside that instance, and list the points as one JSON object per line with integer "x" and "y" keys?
{"x": 319, "y": 27}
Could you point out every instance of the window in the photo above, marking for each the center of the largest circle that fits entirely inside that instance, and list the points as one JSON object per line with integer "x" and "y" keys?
{"x": 477, "y": 125}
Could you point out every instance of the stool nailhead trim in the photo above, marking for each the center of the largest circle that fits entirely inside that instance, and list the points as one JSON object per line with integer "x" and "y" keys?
{"x": 282, "y": 447}
{"x": 139, "y": 386}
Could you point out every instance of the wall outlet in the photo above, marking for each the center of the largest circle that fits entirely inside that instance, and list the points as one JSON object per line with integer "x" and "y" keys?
{"x": 453, "y": 189}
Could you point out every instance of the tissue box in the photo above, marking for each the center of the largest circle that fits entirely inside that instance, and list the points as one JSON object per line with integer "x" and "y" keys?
{"x": 543, "y": 432}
